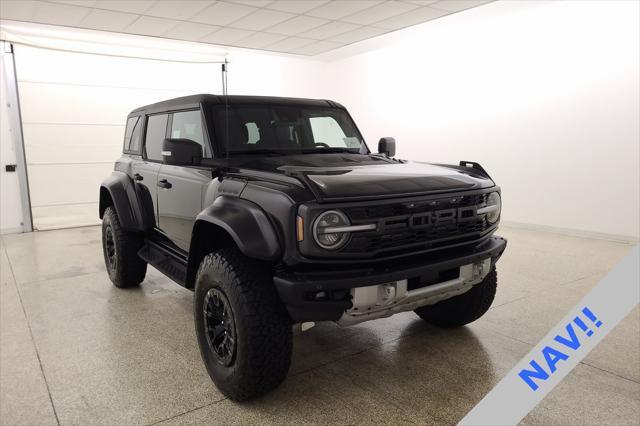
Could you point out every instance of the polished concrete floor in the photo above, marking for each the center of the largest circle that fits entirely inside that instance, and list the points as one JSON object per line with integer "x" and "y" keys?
{"x": 76, "y": 350}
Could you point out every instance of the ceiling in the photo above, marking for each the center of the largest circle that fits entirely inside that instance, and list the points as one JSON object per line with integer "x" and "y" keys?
{"x": 304, "y": 27}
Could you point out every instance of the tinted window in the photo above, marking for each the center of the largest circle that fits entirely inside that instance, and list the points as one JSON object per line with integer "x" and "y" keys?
{"x": 326, "y": 130}
{"x": 136, "y": 136}
{"x": 188, "y": 125}
{"x": 286, "y": 129}
{"x": 156, "y": 132}
{"x": 131, "y": 123}
{"x": 253, "y": 133}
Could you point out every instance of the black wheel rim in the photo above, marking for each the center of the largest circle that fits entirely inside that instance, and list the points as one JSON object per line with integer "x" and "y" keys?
{"x": 110, "y": 247}
{"x": 220, "y": 327}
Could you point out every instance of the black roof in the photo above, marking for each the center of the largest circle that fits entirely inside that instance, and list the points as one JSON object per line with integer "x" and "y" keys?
{"x": 194, "y": 101}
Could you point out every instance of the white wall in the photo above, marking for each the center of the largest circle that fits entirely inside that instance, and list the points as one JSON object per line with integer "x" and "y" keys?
{"x": 264, "y": 74}
{"x": 544, "y": 94}
{"x": 10, "y": 200}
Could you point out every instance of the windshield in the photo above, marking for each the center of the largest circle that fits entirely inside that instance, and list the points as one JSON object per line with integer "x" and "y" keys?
{"x": 264, "y": 129}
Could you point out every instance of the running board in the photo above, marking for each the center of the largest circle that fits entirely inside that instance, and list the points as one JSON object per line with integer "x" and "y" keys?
{"x": 165, "y": 260}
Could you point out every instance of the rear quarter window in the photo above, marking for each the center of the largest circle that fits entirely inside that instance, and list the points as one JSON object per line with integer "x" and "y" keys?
{"x": 136, "y": 136}
{"x": 128, "y": 132}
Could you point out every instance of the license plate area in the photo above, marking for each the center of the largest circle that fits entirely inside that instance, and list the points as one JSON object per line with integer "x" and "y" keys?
{"x": 433, "y": 278}
{"x": 371, "y": 297}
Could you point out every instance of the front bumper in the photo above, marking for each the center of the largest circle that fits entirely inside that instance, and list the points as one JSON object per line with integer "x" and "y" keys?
{"x": 297, "y": 289}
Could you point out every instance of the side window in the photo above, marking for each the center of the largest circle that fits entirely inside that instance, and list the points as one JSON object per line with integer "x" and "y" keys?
{"x": 188, "y": 125}
{"x": 131, "y": 124}
{"x": 253, "y": 133}
{"x": 156, "y": 132}
{"x": 136, "y": 136}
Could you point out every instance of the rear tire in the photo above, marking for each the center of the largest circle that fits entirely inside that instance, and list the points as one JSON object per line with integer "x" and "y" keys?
{"x": 243, "y": 329}
{"x": 465, "y": 308}
{"x": 120, "y": 249}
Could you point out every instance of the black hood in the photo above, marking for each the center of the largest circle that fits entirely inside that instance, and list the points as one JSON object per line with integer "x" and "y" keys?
{"x": 344, "y": 176}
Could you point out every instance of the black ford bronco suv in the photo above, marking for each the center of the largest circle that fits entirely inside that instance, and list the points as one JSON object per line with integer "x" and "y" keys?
{"x": 275, "y": 212}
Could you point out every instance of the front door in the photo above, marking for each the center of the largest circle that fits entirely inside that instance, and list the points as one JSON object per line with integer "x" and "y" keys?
{"x": 180, "y": 194}
{"x": 181, "y": 188}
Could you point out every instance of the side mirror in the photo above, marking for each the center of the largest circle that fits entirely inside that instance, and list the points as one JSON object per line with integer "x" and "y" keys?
{"x": 181, "y": 152}
{"x": 387, "y": 146}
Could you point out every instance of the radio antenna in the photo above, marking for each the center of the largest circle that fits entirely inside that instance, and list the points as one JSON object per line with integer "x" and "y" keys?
{"x": 225, "y": 93}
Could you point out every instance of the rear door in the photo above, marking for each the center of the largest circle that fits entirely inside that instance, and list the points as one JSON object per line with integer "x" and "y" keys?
{"x": 145, "y": 172}
{"x": 181, "y": 188}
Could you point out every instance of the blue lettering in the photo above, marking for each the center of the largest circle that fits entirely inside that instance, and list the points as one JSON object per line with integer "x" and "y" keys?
{"x": 552, "y": 356}
{"x": 572, "y": 342}
{"x": 529, "y": 375}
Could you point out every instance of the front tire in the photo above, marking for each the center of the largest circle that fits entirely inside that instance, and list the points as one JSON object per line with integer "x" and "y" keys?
{"x": 120, "y": 249}
{"x": 243, "y": 330}
{"x": 465, "y": 308}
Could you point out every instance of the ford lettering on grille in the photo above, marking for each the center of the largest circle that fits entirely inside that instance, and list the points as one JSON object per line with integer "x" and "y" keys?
{"x": 426, "y": 223}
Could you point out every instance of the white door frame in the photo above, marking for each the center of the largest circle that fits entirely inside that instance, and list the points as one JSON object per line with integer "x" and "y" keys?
{"x": 15, "y": 124}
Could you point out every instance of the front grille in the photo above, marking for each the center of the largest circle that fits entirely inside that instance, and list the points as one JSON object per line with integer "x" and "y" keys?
{"x": 416, "y": 225}
{"x": 358, "y": 214}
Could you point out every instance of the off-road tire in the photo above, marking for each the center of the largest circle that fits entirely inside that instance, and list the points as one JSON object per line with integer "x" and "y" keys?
{"x": 128, "y": 269}
{"x": 262, "y": 326}
{"x": 463, "y": 309}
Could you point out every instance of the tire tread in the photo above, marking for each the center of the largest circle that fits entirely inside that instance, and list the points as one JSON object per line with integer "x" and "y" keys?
{"x": 464, "y": 308}
{"x": 130, "y": 268}
{"x": 263, "y": 318}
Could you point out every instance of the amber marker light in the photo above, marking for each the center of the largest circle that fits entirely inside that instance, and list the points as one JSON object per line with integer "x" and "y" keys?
{"x": 300, "y": 228}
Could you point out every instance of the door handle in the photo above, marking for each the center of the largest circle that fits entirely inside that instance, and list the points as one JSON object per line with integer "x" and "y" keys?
{"x": 138, "y": 177}
{"x": 164, "y": 184}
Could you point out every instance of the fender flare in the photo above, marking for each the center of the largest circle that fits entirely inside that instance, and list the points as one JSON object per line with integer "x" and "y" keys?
{"x": 247, "y": 224}
{"x": 120, "y": 187}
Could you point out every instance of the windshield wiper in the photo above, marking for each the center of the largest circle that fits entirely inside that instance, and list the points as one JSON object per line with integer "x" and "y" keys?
{"x": 259, "y": 152}
{"x": 330, "y": 150}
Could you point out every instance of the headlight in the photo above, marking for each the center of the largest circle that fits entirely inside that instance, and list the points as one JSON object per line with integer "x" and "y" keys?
{"x": 327, "y": 230}
{"x": 493, "y": 207}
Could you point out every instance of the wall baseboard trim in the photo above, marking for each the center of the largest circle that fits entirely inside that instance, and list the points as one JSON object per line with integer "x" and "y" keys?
{"x": 571, "y": 232}
{"x": 17, "y": 230}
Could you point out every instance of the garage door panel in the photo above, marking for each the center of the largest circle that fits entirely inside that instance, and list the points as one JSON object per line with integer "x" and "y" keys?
{"x": 69, "y": 143}
{"x": 74, "y": 107}
{"x": 97, "y": 70}
{"x": 55, "y": 103}
{"x": 54, "y": 217}
{"x": 66, "y": 184}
